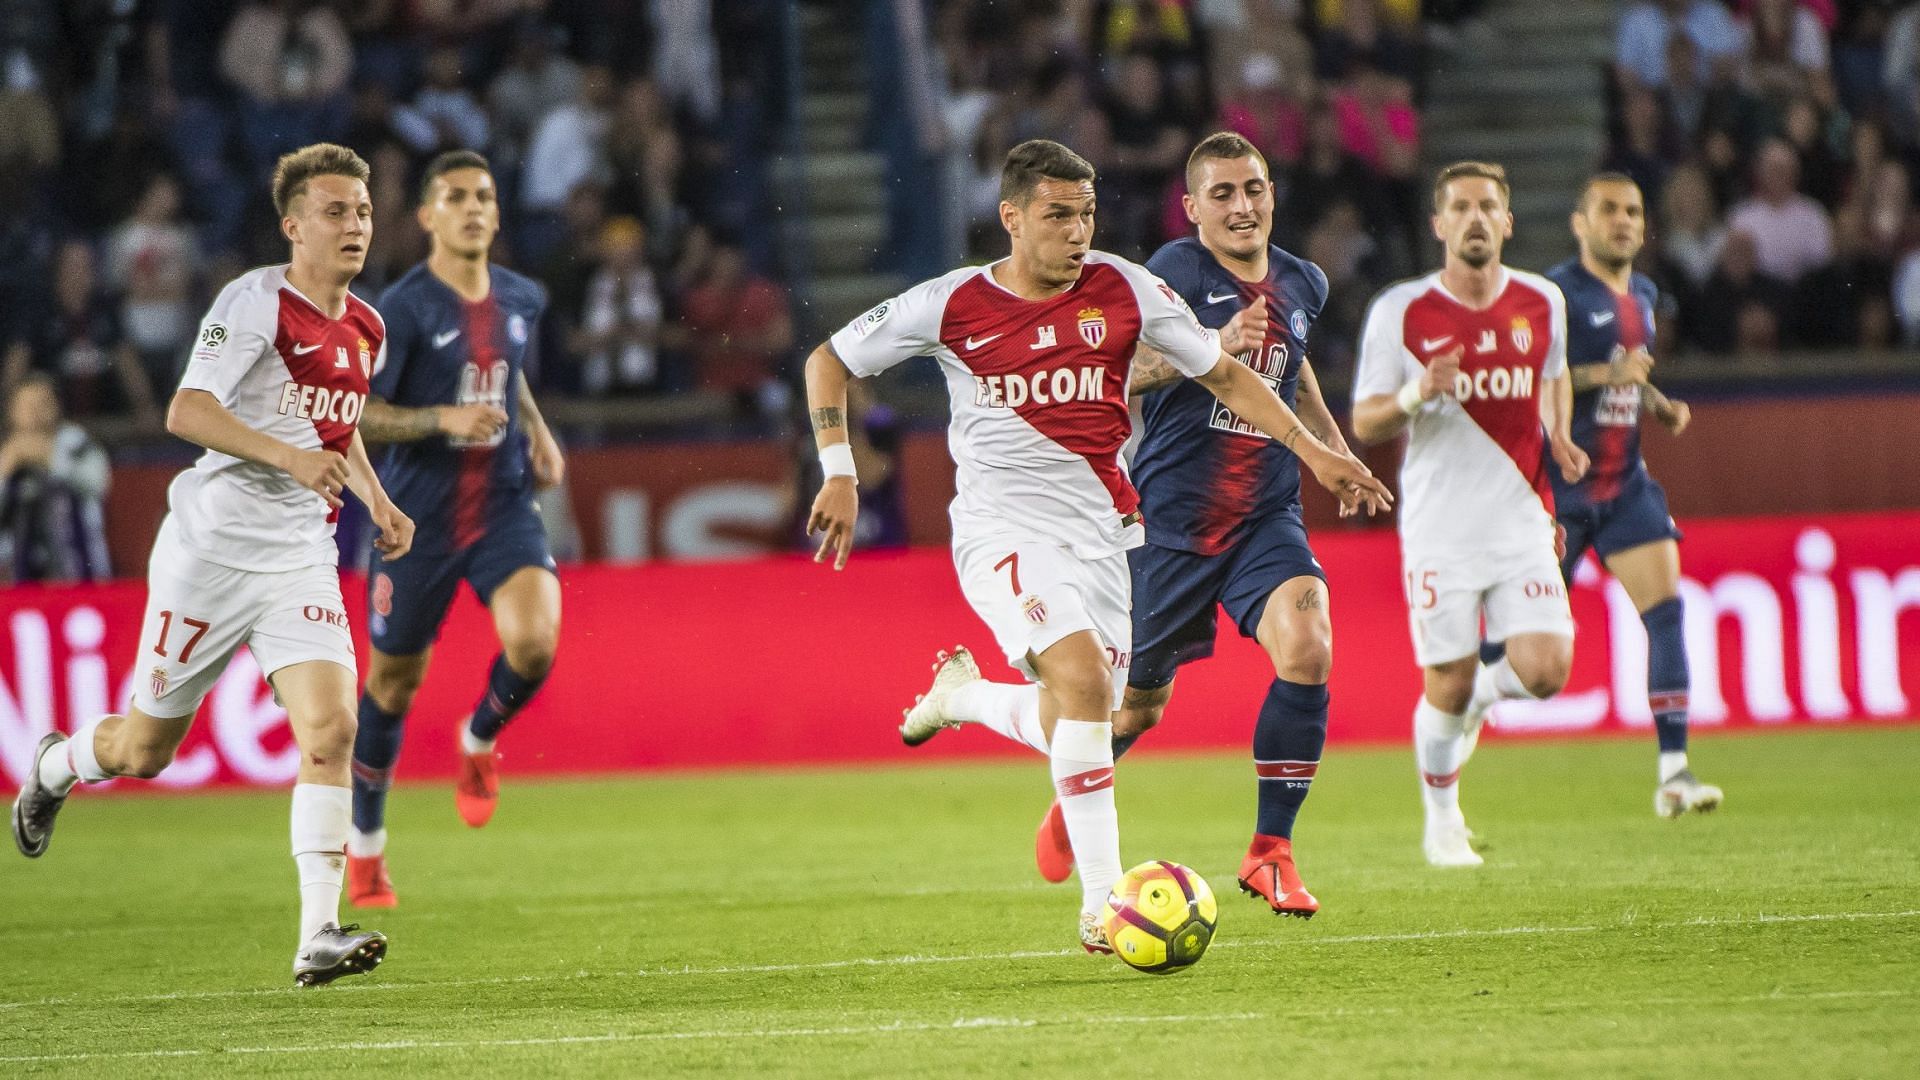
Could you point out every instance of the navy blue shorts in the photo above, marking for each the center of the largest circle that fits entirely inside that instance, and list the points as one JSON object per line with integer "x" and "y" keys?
{"x": 1175, "y": 593}
{"x": 408, "y": 600}
{"x": 1636, "y": 516}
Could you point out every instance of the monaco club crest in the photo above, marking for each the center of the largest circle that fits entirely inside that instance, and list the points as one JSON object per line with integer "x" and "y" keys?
{"x": 157, "y": 682}
{"x": 1035, "y": 607}
{"x": 366, "y": 358}
{"x": 1522, "y": 334}
{"x": 1093, "y": 330}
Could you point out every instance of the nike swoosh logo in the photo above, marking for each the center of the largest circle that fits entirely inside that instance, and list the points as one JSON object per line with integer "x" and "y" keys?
{"x": 1602, "y": 318}
{"x": 974, "y": 343}
{"x": 1430, "y": 344}
{"x": 440, "y": 340}
{"x": 1296, "y": 770}
{"x": 302, "y": 350}
{"x": 1215, "y": 298}
{"x": 1091, "y": 782}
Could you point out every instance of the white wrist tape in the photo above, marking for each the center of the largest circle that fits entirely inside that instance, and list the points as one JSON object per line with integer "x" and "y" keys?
{"x": 836, "y": 459}
{"x": 1410, "y": 398}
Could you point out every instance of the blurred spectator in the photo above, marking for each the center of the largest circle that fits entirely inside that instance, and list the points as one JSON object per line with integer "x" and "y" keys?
{"x": 1268, "y": 105}
{"x": 619, "y": 335}
{"x": 685, "y": 63}
{"x": 78, "y": 342}
{"x": 535, "y": 81}
{"x": 1359, "y": 35}
{"x": 1640, "y": 49}
{"x": 1822, "y": 173}
{"x": 444, "y": 115}
{"x": 53, "y": 477}
{"x": 1378, "y": 124}
{"x": 1645, "y": 147}
{"x": 152, "y": 261}
{"x": 1691, "y": 234}
{"x": 1326, "y": 176}
{"x": 1901, "y": 75}
{"x": 739, "y": 329}
{"x": 1786, "y": 52}
{"x": 1791, "y": 233}
{"x": 291, "y": 60}
{"x": 646, "y": 159}
{"x": 1906, "y": 299}
{"x": 1739, "y": 301}
{"x": 1340, "y": 246}
{"x": 1148, "y": 148}
{"x": 568, "y": 149}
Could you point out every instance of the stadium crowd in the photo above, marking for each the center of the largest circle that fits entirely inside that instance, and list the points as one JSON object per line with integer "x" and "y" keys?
{"x": 1778, "y": 142}
{"x": 628, "y": 141}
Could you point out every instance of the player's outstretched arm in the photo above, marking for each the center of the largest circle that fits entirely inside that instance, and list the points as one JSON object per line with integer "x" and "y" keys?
{"x": 198, "y": 417}
{"x": 1250, "y": 398}
{"x": 837, "y": 506}
{"x": 1151, "y": 371}
{"x": 549, "y": 466}
{"x": 1626, "y": 369}
{"x": 396, "y": 528}
{"x": 384, "y": 422}
{"x": 1311, "y": 406}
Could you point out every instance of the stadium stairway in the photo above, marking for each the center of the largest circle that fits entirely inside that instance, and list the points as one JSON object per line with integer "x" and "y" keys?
{"x": 1526, "y": 89}
{"x": 835, "y": 182}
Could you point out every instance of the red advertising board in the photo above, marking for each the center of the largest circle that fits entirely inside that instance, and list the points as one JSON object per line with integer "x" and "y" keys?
{"x": 777, "y": 661}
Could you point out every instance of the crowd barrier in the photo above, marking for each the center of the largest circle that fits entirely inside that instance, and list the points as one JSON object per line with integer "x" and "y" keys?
{"x": 777, "y": 661}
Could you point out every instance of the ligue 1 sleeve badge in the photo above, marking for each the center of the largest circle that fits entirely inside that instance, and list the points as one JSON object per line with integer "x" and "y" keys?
{"x": 1093, "y": 326}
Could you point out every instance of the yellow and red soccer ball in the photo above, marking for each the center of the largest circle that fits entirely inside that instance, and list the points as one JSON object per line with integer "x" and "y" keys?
{"x": 1160, "y": 917}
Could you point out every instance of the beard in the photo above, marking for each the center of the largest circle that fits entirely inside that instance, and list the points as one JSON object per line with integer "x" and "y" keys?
{"x": 1477, "y": 257}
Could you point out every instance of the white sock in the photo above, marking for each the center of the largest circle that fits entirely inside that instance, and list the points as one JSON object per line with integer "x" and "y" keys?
{"x": 1672, "y": 762}
{"x": 474, "y": 744}
{"x": 1494, "y": 683}
{"x": 1009, "y": 709}
{"x": 1082, "y": 760}
{"x": 322, "y": 818}
{"x": 1440, "y": 746}
{"x": 365, "y": 845}
{"x": 73, "y": 761}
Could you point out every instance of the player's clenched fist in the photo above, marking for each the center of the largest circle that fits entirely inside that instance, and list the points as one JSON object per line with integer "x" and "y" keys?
{"x": 1442, "y": 370}
{"x": 1571, "y": 459}
{"x": 1246, "y": 330}
{"x": 1630, "y": 368}
{"x": 396, "y": 530}
{"x": 321, "y": 471}
{"x": 834, "y": 511}
{"x": 472, "y": 423}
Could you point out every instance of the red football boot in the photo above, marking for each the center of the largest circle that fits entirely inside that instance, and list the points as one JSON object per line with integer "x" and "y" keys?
{"x": 367, "y": 882}
{"x": 1052, "y": 851}
{"x": 1268, "y": 873}
{"x": 477, "y": 791}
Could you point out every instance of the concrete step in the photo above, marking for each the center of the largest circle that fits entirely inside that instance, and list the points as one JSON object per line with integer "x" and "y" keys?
{"x": 1514, "y": 144}
{"x": 1588, "y": 111}
{"x": 833, "y": 108}
{"x": 836, "y": 298}
{"x": 1515, "y": 19}
{"x": 1564, "y": 52}
{"x": 1509, "y": 86}
{"x": 834, "y": 181}
{"x": 832, "y": 138}
{"x": 845, "y": 242}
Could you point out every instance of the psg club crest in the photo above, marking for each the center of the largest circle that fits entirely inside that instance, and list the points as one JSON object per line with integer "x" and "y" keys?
{"x": 517, "y": 329}
{"x": 1035, "y": 607}
{"x": 1093, "y": 330}
{"x": 1297, "y": 322}
{"x": 366, "y": 358}
{"x": 1522, "y": 334}
{"x": 157, "y": 682}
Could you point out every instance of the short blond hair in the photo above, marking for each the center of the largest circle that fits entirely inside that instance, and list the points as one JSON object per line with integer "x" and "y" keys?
{"x": 291, "y": 173}
{"x": 1475, "y": 170}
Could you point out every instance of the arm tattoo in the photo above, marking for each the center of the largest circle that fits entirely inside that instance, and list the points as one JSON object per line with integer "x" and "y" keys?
{"x": 1151, "y": 371}
{"x": 827, "y": 417}
{"x": 381, "y": 422}
{"x": 1293, "y": 436}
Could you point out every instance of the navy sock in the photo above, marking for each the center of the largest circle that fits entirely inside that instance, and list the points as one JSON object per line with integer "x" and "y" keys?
{"x": 507, "y": 692}
{"x": 1124, "y": 743}
{"x": 376, "y": 746}
{"x": 1287, "y": 741}
{"x": 1667, "y": 677}
{"x": 1492, "y": 651}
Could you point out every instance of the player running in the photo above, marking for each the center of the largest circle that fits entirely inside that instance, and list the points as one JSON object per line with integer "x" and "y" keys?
{"x": 273, "y": 391}
{"x": 1472, "y": 360}
{"x": 1222, "y": 505}
{"x": 1037, "y": 350}
{"x": 1618, "y": 509}
{"x": 470, "y": 446}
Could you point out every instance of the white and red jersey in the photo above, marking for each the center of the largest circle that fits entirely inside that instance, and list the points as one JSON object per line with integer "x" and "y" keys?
{"x": 1038, "y": 392}
{"x": 279, "y": 364}
{"x": 1475, "y": 477}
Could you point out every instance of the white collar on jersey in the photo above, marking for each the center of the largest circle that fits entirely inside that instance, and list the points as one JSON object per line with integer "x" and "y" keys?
{"x": 1500, "y": 287}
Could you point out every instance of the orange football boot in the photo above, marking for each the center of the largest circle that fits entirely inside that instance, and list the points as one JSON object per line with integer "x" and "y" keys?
{"x": 1267, "y": 872}
{"x": 367, "y": 882}
{"x": 1052, "y": 850}
{"x": 477, "y": 791}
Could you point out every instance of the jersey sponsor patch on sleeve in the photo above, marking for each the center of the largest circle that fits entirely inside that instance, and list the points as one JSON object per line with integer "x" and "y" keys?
{"x": 865, "y": 324}
{"x": 212, "y": 337}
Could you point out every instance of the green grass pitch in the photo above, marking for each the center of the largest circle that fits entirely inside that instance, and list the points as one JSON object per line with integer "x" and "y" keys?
{"x": 888, "y": 923}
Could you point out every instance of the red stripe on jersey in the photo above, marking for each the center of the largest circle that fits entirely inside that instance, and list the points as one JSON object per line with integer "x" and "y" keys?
{"x": 1286, "y": 770}
{"x": 474, "y": 484}
{"x": 1612, "y": 441}
{"x": 1007, "y": 329}
{"x": 1504, "y": 348}
{"x": 329, "y": 363}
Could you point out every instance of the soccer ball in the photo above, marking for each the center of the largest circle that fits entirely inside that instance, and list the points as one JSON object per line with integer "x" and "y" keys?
{"x": 1160, "y": 917}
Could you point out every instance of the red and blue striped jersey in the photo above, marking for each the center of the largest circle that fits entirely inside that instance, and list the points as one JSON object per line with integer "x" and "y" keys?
{"x": 1601, "y": 325}
{"x": 1204, "y": 474}
{"x": 443, "y": 349}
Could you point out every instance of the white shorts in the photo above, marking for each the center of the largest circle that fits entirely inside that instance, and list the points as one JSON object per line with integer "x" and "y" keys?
{"x": 1031, "y": 594}
{"x": 1448, "y": 597}
{"x": 200, "y": 613}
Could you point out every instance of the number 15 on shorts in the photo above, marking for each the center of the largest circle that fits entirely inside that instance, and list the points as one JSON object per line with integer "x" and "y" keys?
{"x": 1421, "y": 594}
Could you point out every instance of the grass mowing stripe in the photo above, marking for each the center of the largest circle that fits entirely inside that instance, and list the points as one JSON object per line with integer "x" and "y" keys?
{"x": 975, "y": 958}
